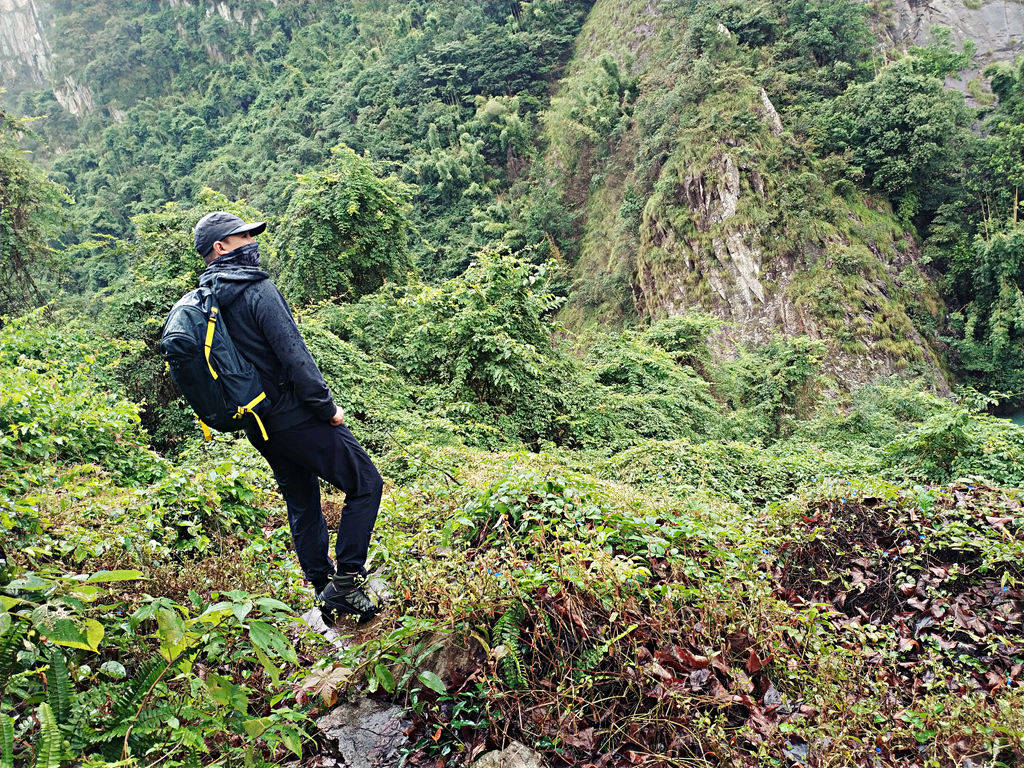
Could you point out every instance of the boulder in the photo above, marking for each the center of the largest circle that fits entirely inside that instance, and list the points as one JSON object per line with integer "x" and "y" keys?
{"x": 515, "y": 755}
{"x": 365, "y": 734}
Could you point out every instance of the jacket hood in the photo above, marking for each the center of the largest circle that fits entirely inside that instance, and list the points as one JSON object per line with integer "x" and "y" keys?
{"x": 227, "y": 278}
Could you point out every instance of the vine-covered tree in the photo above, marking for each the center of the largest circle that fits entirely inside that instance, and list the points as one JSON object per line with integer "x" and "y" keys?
{"x": 902, "y": 131}
{"x": 345, "y": 231}
{"x": 31, "y": 215}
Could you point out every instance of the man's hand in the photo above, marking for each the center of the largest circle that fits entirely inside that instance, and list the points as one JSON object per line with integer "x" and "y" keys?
{"x": 339, "y": 416}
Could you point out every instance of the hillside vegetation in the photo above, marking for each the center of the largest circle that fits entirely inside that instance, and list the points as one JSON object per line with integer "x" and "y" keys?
{"x": 651, "y": 315}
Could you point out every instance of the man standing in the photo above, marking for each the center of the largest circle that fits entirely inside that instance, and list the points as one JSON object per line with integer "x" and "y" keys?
{"x": 308, "y": 439}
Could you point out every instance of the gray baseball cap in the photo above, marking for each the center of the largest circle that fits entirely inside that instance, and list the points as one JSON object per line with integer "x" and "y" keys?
{"x": 218, "y": 225}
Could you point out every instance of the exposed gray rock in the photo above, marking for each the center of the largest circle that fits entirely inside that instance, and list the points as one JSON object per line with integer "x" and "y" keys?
{"x": 74, "y": 97}
{"x": 770, "y": 113}
{"x": 995, "y": 26}
{"x": 515, "y": 755}
{"x": 366, "y": 734}
{"x": 316, "y": 623}
{"x": 729, "y": 274}
{"x": 24, "y": 50}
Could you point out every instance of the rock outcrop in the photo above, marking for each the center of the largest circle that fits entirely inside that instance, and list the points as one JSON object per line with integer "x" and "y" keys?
{"x": 995, "y": 26}
{"x": 27, "y": 51}
{"x": 366, "y": 734}
{"x": 24, "y": 49}
{"x": 515, "y": 755}
{"x": 705, "y": 202}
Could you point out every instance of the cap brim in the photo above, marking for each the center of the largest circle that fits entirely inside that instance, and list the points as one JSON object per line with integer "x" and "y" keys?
{"x": 247, "y": 229}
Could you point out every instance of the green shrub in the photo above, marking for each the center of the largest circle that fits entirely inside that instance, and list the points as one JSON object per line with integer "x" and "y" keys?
{"x": 344, "y": 233}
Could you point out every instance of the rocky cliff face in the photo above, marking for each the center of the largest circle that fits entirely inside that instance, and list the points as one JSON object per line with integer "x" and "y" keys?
{"x": 27, "y": 54}
{"x": 24, "y": 49}
{"x": 26, "y": 58}
{"x": 995, "y": 26}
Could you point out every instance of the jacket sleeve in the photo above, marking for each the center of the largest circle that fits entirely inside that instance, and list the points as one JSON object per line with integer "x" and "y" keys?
{"x": 275, "y": 320}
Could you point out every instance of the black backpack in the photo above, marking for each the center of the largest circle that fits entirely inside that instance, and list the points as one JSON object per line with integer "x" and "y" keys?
{"x": 222, "y": 387}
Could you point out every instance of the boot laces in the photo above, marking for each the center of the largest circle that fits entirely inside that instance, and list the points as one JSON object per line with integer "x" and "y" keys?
{"x": 348, "y": 591}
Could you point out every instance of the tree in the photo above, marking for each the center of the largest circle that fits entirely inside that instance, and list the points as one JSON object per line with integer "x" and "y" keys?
{"x": 991, "y": 350}
{"x": 344, "y": 233}
{"x": 902, "y": 130}
{"x": 32, "y": 215}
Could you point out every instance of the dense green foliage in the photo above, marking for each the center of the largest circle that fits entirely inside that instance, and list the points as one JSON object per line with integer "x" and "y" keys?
{"x": 446, "y": 92}
{"x": 902, "y": 130}
{"x": 627, "y": 542}
{"x": 199, "y": 656}
{"x": 344, "y": 232}
{"x": 31, "y": 216}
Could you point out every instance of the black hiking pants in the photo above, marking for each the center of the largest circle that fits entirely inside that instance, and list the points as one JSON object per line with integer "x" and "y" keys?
{"x": 298, "y": 457}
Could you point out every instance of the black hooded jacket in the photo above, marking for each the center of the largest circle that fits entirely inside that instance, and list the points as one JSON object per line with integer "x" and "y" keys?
{"x": 263, "y": 330}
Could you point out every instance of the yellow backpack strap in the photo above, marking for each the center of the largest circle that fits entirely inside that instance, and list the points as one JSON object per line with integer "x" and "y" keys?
{"x": 248, "y": 408}
{"x": 206, "y": 430}
{"x": 209, "y": 339}
{"x": 259, "y": 423}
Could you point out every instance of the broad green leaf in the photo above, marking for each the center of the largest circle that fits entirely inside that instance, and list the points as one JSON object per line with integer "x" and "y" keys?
{"x": 272, "y": 669}
{"x": 170, "y": 626}
{"x": 292, "y": 739}
{"x": 29, "y": 583}
{"x": 269, "y": 604}
{"x": 432, "y": 681}
{"x": 63, "y": 630}
{"x": 114, "y": 669}
{"x": 241, "y": 610}
{"x": 271, "y": 640}
{"x": 5, "y": 622}
{"x": 383, "y": 675}
{"x": 216, "y": 612}
{"x": 226, "y": 693}
{"x": 174, "y": 637}
{"x": 257, "y": 725}
{"x": 87, "y": 592}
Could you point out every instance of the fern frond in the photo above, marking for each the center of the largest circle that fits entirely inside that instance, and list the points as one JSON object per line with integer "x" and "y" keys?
{"x": 145, "y": 677}
{"x": 587, "y": 661}
{"x": 10, "y": 644}
{"x": 80, "y": 728}
{"x": 153, "y": 719}
{"x": 49, "y": 750}
{"x": 58, "y": 685}
{"x": 507, "y": 631}
{"x": 6, "y": 742}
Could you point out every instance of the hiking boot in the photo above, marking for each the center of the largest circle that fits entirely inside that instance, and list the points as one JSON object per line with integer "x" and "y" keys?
{"x": 345, "y": 594}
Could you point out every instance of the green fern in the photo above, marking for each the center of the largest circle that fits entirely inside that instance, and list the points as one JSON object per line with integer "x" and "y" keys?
{"x": 49, "y": 750}
{"x": 132, "y": 719}
{"x": 588, "y": 660}
{"x": 133, "y": 694}
{"x": 6, "y": 742}
{"x": 58, "y": 684}
{"x": 507, "y": 631}
{"x": 10, "y": 644}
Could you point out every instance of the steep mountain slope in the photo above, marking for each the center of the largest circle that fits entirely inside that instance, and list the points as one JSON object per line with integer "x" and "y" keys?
{"x": 672, "y": 167}
{"x": 695, "y": 194}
